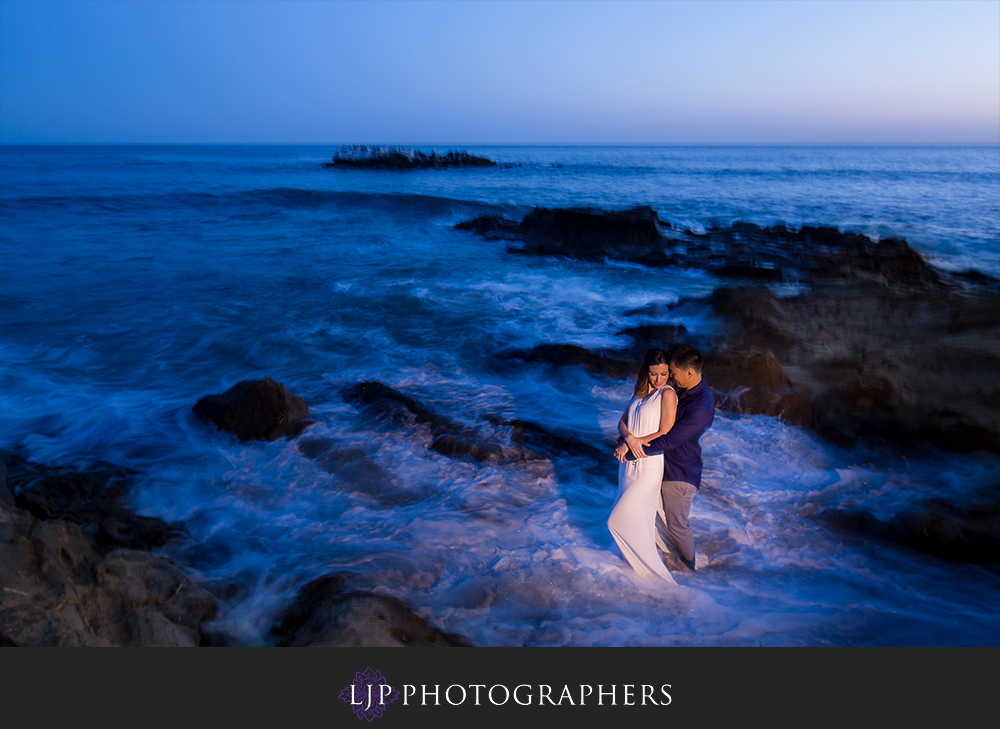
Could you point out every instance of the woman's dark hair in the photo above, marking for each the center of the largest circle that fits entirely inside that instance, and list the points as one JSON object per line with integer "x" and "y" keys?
{"x": 653, "y": 357}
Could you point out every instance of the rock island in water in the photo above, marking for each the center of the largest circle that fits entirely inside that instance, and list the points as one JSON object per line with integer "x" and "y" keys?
{"x": 382, "y": 157}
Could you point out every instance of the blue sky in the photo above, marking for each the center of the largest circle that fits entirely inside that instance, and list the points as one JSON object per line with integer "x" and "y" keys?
{"x": 900, "y": 72}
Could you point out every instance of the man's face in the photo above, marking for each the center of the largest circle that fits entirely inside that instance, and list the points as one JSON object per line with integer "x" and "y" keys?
{"x": 684, "y": 378}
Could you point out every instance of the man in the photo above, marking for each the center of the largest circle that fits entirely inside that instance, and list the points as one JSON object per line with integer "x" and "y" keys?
{"x": 681, "y": 450}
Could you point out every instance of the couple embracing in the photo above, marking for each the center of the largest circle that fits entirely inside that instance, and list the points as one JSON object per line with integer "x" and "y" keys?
{"x": 660, "y": 457}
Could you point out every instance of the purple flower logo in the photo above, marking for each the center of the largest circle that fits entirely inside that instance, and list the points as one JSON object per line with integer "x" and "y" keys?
{"x": 369, "y": 694}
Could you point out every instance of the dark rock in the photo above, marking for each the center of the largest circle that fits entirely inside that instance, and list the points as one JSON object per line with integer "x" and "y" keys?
{"x": 484, "y": 452}
{"x": 92, "y": 499}
{"x": 400, "y": 158}
{"x": 6, "y": 497}
{"x": 255, "y": 410}
{"x": 753, "y": 382}
{"x": 591, "y": 234}
{"x": 967, "y": 531}
{"x": 877, "y": 361}
{"x": 327, "y": 613}
{"x": 653, "y": 335}
{"x": 491, "y": 227}
{"x": 742, "y": 251}
{"x": 537, "y": 437}
{"x": 746, "y": 268}
{"x": 389, "y": 405}
{"x": 68, "y": 583}
{"x": 653, "y": 309}
{"x": 243, "y": 585}
{"x": 571, "y": 354}
{"x": 978, "y": 277}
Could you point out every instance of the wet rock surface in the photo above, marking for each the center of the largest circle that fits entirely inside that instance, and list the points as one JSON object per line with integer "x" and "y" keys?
{"x": 752, "y": 381}
{"x": 74, "y": 569}
{"x": 587, "y": 234}
{"x": 328, "y": 613}
{"x": 255, "y": 410}
{"x": 910, "y": 367}
{"x": 741, "y": 251}
{"x": 449, "y": 437}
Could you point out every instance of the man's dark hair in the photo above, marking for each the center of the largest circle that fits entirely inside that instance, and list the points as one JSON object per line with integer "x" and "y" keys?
{"x": 684, "y": 356}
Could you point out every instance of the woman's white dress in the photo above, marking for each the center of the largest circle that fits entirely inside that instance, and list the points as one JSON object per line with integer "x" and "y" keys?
{"x": 633, "y": 517}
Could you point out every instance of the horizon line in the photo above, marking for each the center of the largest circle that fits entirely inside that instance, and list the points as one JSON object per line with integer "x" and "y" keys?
{"x": 504, "y": 144}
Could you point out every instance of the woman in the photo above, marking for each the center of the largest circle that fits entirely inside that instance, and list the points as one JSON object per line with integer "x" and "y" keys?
{"x": 650, "y": 413}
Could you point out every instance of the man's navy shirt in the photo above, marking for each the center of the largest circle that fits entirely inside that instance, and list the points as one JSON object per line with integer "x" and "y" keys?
{"x": 680, "y": 448}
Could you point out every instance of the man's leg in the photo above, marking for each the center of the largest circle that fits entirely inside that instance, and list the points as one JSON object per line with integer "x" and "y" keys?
{"x": 677, "y": 496}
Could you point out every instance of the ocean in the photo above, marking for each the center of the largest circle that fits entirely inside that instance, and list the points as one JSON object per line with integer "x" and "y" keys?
{"x": 137, "y": 279}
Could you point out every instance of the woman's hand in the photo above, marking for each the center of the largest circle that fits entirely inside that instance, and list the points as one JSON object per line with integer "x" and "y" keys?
{"x": 635, "y": 445}
{"x": 620, "y": 452}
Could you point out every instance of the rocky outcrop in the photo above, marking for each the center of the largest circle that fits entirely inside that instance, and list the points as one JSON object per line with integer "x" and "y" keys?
{"x": 74, "y": 568}
{"x": 90, "y": 498}
{"x": 328, "y": 613}
{"x": 582, "y": 233}
{"x": 741, "y": 251}
{"x": 751, "y": 381}
{"x": 908, "y": 366}
{"x": 255, "y": 410}
{"x": 400, "y": 158}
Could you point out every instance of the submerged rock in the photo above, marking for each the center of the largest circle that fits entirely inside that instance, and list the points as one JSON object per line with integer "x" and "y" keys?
{"x": 356, "y": 472}
{"x": 67, "y": 578}
{"x": 449, "y": 438}
{"x": 572, "y": 354}
{"x": 255, "y": 410}
{"x": 538, "y": 438}
{"x": 327, "y": 613}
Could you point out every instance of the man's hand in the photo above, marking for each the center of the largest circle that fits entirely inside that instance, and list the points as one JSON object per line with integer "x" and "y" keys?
{"x": 635, "y": 446}
{"x": 621, "y": 452}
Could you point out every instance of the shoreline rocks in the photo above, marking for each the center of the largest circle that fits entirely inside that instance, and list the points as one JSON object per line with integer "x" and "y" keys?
{"x": 880, "y": 344}
{"x": 741, "y": 251}
{"x": 75, "y": 565}
{"x": 905, "y": 366}
{"x": 328, "y": 613}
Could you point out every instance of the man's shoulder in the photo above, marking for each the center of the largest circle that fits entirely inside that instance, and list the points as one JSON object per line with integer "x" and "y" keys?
{"x": 704, "y": 400}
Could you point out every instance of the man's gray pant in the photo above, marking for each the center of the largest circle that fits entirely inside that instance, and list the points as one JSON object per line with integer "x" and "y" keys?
{"x": 677, "y": 496}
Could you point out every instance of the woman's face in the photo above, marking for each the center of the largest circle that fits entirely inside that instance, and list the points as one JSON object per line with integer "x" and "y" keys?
{"x": 659, "y": 375}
